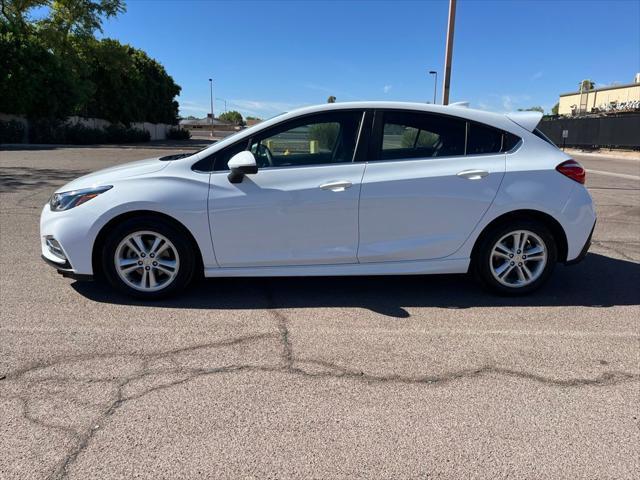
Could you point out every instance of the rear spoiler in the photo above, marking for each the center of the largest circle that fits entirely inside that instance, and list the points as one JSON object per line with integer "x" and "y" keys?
{"x": 527, "y": 120}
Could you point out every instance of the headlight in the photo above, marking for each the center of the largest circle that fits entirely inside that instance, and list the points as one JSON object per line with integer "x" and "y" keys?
{"x": 66, "y": 200}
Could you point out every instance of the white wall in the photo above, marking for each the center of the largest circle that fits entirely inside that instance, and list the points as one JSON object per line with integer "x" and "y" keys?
{"x": 158, "y": 131}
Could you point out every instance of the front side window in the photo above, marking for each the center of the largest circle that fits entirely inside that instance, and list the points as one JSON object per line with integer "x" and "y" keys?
{"x": 315, "y": 140}
{"x": 419, "y": 135}
{"x": 221, "y": 158}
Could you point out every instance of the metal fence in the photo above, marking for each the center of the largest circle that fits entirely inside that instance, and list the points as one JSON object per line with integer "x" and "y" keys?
{"x": 593, "y": 132}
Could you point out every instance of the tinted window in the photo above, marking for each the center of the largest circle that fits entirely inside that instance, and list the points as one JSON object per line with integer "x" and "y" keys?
{"x": 314, "y": 140}
{"x": 419, "y": 135}
{"x": 221, "y": 158}
{"x": 510, "y": 141}
{"x": 483, "y": 139}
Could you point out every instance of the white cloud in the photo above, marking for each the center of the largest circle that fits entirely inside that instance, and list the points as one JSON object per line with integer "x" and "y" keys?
{"x": 387, "y": 88}
{"x": 188, "y": 107}
{"x": 260, "y": 108}
{"x": 506, "y": 102}
{"x": 511, "y": 102}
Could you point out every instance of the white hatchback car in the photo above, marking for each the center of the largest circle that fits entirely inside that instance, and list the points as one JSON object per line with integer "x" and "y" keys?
{"x": 367, "y": 188}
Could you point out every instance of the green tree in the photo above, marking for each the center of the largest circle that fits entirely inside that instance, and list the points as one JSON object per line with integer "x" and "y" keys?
{"x": 586, "y": 85}
{"x": 33, "y": 80}
{"x": 554, "y": 109}
{"x": 66, "y": 18}
{"x": 14, "y": 14}
{"x": 232, "y": 116}
{"x": 54, "y": 67}
{"x": 82, "y": 18}
{"x": 120, "y": 72}
{"x": 331, "y": 99}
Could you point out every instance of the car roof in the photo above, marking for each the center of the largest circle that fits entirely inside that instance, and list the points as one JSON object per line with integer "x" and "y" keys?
{"x": 458, "y": 110}
{"x": 498, "y": 120}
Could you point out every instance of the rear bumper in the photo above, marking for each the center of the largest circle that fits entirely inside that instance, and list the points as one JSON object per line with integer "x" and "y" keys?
{"x": 65, "y": 270}
{"x": 585, "y": 249}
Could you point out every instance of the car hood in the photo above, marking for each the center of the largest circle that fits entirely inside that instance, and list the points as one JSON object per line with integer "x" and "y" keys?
{"x": 109, "y": 175}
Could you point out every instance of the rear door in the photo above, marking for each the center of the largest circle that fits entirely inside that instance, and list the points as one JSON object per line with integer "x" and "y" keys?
{"x": 429, "y": 180}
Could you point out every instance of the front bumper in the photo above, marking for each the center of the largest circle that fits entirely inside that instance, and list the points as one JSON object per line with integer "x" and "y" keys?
{"x": 65, "y": 270}
{"x": 72, "y": 237}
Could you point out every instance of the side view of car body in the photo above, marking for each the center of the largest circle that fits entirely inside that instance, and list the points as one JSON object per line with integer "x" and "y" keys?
{"x": 366, "y": 188}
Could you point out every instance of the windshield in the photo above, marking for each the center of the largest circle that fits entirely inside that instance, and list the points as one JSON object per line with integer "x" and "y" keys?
{"x": 178, "y": 156}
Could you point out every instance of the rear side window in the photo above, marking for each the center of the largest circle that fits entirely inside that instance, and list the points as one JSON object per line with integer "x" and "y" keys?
{"x": 482, "y": 139}
{"x": 420, "y": 135}
{"x": 510, "y": 141}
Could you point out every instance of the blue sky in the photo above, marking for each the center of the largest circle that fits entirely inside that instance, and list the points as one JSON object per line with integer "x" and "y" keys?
{"x": 269, "y": 57}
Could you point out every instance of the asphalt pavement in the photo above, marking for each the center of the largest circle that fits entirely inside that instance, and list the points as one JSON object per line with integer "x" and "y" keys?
{"x": 376, "y": 377}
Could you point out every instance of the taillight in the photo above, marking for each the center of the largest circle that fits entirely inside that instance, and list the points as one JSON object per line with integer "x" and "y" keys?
{"x": 573, "y": 170}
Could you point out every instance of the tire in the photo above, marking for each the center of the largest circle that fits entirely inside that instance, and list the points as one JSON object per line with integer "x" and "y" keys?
{"x": 143, "y": 273}
{"x": 507, "y": 269}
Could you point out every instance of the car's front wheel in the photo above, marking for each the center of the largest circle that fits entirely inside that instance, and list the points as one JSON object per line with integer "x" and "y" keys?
{"x": 148, "y": 258}
{"x": 516, "y": 258}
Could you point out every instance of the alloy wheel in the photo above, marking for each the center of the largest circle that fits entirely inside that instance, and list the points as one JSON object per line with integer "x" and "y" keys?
{"x": 518, "y": 259}
{"x": 147, "y": 261}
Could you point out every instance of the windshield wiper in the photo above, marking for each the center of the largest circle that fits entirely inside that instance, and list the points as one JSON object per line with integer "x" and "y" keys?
{"x": 176, "y": 156}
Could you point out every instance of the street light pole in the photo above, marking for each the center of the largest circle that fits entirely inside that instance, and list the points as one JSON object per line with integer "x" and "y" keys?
{"x": 211, "y": 92}
{"x": 448, "y": 52}
{"x": 435, "y": 84}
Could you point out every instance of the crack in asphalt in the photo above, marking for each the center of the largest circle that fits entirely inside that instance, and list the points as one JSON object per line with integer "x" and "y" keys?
{"x": 289, "y": 364}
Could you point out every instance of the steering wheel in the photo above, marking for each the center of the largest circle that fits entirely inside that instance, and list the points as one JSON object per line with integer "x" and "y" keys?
{"x": 262, "y": 151}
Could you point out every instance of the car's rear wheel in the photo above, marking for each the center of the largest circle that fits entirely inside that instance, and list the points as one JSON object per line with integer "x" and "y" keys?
{"x": 148, "y": 258}
{"x": 516, "y": 258}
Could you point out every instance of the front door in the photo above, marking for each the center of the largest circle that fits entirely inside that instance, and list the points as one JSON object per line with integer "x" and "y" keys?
{"x": 301, "y": 208}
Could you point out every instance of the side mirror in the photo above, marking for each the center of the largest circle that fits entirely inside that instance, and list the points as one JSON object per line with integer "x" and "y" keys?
{"x": 241, "y": 164}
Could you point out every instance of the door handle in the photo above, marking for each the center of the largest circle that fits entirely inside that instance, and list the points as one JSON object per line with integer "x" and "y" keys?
{"x": 473, "y": 174}
{"x": 340, "y": 186}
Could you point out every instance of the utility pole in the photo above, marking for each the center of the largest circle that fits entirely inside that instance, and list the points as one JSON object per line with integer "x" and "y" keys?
{"x": 211, "y": 92}
{"x": 435, "y": 84}
{"x": 448, "y": 52}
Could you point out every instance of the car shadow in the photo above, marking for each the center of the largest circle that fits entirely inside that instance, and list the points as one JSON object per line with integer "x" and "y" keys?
{"x": 599, "y": 281}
